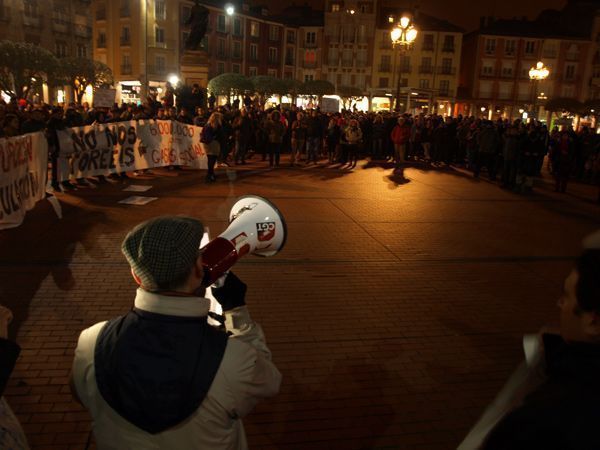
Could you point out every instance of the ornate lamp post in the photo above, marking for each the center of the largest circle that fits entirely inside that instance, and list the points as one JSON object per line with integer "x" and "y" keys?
{"x": 403, "y": 35}
{"x": 537, "y": 74}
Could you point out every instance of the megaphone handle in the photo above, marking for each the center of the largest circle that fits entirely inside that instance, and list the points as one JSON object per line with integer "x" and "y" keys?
{"x": 218, "y": 256}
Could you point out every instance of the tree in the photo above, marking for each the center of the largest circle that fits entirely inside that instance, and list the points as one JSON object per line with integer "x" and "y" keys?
{"x": 349, "y": 94}
{"x": 317, "y": 88}
{"x": 292, "y": 87}
{"x": 265, "y": 86}
{"x": 81, "y": 72}
{"x": 562, "y": 104}
{"x": 230, "y": 83}
{"x": 22, "y": 66}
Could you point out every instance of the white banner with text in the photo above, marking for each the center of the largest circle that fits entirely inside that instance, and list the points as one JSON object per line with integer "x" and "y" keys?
{"x": 108, "y": 148}
{"x": 23, "y": 169}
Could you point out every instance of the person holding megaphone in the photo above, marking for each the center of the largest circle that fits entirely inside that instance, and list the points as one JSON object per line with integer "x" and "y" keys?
{"x": 161, "y": 376}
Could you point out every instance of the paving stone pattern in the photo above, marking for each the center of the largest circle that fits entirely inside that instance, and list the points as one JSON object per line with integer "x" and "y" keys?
{"x": 394, "y": 312}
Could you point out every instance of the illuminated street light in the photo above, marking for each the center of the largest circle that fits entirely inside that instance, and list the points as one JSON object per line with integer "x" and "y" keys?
{"x": 537, "y": 74}
{"x": 229, "y": 9}
{"x": 174, "y": 80}
{"x": 403, "y": 36}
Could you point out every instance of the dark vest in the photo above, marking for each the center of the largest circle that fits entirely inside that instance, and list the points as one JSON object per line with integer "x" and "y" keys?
{"x": 155, "y": 370}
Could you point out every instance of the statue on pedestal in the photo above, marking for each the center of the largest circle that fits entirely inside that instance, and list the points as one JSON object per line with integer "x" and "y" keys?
{"x": 198, "y": 21}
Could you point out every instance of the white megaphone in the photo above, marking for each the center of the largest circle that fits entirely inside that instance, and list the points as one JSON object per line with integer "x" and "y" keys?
{"x": 255, "y": 226}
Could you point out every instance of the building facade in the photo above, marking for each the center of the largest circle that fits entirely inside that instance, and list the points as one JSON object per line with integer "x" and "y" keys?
{"x": 426, "y": 74}
{"x": 63, "y": 27}
{"x": 497, "y": 58}
{"x": 349, "y": 30}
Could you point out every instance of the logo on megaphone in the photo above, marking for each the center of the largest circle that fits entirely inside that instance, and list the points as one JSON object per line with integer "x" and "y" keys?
{"x": 255, "y": 226}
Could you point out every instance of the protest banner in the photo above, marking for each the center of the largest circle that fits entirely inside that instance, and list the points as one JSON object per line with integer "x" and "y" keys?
{"x": 125, "y": 146}
{"x": 23, "y": 171}
{"x": 104, "y": 98}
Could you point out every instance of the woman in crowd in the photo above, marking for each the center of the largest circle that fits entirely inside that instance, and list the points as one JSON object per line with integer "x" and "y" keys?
{"x": 210, "y": 143}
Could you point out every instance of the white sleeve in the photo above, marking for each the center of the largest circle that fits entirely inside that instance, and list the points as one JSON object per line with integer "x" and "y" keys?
{"x": 241, "y": 326}
{"x": 246, "y": 368}
{"x": 248, "y": 377}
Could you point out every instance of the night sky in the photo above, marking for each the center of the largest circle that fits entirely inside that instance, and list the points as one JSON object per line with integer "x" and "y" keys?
{"x": 464, "y": 13}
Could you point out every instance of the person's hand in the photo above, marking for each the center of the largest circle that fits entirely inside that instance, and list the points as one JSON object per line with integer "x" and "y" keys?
{"x": 232, "y": 293}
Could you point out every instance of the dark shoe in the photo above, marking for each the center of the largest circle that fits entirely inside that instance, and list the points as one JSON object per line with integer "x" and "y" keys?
{"x": 67, "y": 186}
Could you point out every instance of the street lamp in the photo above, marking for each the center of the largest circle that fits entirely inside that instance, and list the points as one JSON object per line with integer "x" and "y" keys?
{"x": 403, "y": 35}
{"x": 537, "y": 74}
{"x": 229, "y": 9}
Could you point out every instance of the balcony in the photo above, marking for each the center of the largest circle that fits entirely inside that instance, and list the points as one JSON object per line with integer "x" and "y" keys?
{"x": 448, "y": 49}
{"x": 310, "y": 44}
{"x": 126, "y": 69}
{"x": 166, "y": 43}
{"x": 385, "y": 68}
{"x": 60, "y": 26}
{"x": 83, "y": 31}
{"x": 444, "y": 70}
{"x": 161, "y": 70}
{"x": 5, "y": 14}
{"x": 309, "y": 64}
{"x": 488, "y": 74}
{"x": 425, "y": 69}
{"x": 125, "y": 41}
{"x": 31, "y": 21}
{"x": 101, "y": 14}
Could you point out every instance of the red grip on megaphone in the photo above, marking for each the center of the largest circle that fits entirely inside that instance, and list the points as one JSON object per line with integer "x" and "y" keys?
{"x": 218, "y": 256}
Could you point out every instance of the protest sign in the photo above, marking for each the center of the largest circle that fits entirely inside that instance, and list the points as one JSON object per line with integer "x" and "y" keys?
{"x": 104, "y": 98}
{"x": 23, "y": 170}
{"x": 125, "y": 146}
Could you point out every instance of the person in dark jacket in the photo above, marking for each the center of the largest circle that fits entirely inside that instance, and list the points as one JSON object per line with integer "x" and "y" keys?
{"x": 554, "y": 403}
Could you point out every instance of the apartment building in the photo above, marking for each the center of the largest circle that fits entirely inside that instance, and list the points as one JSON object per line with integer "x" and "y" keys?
{"x": 425, "y": 75}
{"x": 139, "y": 41}
{"x": 349, "y": 31}
{"x": 497, "y": 57}
{"x": 60, "y": 26}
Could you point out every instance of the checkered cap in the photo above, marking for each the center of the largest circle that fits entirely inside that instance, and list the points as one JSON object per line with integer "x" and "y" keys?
{"x": 163, "y": 249}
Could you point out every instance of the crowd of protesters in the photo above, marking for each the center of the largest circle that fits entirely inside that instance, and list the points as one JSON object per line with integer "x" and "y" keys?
{"x": 512, "y": 152}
